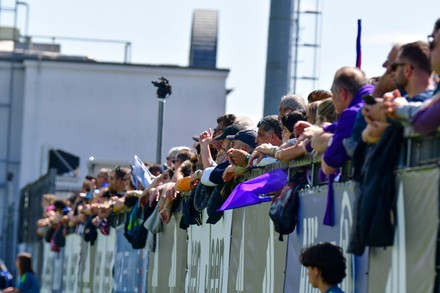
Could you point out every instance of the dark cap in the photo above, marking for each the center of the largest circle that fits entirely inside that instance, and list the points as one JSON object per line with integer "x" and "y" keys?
{"x": 195, "y": 138}
{"x": 230, "y": 130}
{"x": 247, "y": 136}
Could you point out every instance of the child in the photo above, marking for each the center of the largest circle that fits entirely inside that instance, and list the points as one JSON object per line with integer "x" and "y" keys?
{"x": 325, "y": 266}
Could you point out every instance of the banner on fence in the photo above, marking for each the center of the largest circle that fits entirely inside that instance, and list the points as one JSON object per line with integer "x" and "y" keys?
{"x": 131, "y": 266}
{"x": 72, "y": 252}
{"x": 167, "y": 265}
{"x": 52, "y": 274}
{"x": 257, "y": 257}
{"x": 104, "y": 262}
{"x": 208, "y": 255}
{"x": 409, "y": 265}
{"x": 310, "y": 229}
{"x": 87, "y": 263}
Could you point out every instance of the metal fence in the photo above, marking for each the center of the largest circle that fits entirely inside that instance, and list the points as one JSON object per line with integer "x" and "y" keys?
{"x": 242, "y": 253}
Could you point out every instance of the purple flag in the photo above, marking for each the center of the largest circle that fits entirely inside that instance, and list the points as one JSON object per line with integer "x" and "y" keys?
{"x": 328, "y": 217}
{"x": 248, "y": 193}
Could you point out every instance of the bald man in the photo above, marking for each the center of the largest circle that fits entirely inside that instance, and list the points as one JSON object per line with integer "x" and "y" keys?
{"x": 349, "y": 86}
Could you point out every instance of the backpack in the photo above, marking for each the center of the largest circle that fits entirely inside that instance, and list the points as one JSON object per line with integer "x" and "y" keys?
{"x": 284, "y": 208}
{"x": 6, "y": 280}
{"x": 133, "y": 222}
{"x": 190, "y": 216}
{"x": 90, "y": 232}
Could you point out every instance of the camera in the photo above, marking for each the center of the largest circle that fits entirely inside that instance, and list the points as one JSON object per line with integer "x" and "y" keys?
{"x": 163, "y": 87}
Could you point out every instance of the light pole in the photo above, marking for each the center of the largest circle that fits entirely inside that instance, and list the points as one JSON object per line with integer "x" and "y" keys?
{"x": 163, "y": 89}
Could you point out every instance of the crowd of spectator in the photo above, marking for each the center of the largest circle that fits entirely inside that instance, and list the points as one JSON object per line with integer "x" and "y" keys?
{"x": 359, "y": 116}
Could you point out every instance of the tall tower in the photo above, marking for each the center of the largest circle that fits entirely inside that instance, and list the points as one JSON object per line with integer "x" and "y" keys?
{"x": 292, "y": 51}
{"x": 278, "y": 60}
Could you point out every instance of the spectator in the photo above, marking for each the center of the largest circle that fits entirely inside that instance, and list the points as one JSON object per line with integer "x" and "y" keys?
{"x": 172, "y": 154}
{"x": 349, "y": 86}
{"x": 412, "y": 71}
{"x": 318, "y": 95}
{"x": 155, "y": 169}
{"x": 101, "y": 179}
{"x": 28, "y": 282}
{"x": 116, "y": 181}
{"x": 427, "y": 120}
{"x": 288, "y": 122}
{"x": 289, "y": 150}
{"x": 244, "y": 121}
{"x": 291, "y": 103}
{"x": 244, "y": 140}
{"x": 44, "y": 223}
{"x": 219, "y": 169}
{"x": 311, "y": 110}
{"x": 325, "y": 265}
{"x": 326, "y": 112}
{"x": 269, "y": 131}
{"x": 385, "y": 83}
{"x": 6, "y": 279}
{"x": 206, "y": 139}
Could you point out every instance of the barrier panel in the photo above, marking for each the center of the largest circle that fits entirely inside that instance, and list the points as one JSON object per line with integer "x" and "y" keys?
{"x": 104, "y": 262}
{"x": 131, "y": 266}
{"x": 311, "y": 230}
{"x": 52, "y": 274}
{"x": 167, "y": 265}
{"x": 409, "y": 265}
{"x": 72, "y": 256}
{"x": 208, "y": 255}
{"x": 87, "y": 263}
{"x": 257, "y": 257}
{"x": 242, "y": 253}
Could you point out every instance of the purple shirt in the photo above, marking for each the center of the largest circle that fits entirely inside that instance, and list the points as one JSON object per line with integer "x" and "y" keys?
{"x": 335, "y": 155}
{"x": 427, "y": 120}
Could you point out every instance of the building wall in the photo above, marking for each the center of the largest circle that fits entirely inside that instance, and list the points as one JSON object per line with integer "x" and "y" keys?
{"x": 108, "y": 111}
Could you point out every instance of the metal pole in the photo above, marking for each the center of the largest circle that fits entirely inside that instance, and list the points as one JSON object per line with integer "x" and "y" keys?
{"x": 163, "y": 89}
{"x": 26, "y": 30}
{"x": 127, "y": 53}
{"x": 160, "y": 131}
{"x": 295, "y": 60}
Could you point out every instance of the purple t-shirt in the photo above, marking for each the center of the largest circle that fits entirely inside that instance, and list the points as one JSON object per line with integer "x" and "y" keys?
{"x": 335, "y": 155}
{"x": 427, "y": 120}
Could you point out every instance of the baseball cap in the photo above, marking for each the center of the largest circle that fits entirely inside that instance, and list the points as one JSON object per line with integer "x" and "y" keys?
{"x": 247, "y": 136}
{"x": 230, "y": 130}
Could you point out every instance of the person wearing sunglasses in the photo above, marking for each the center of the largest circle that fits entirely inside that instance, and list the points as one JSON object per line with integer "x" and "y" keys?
{"x": 206, "y": 140}
{"x": 427, "y": 119}
{"x": 385, "y": 83}
{"x": 412, "y": 71}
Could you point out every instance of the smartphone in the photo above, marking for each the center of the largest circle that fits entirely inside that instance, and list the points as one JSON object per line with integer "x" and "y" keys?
{"x": 369, "y": 99}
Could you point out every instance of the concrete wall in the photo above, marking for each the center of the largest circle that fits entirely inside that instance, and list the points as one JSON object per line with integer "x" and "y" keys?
{"x": 109, "y": 111}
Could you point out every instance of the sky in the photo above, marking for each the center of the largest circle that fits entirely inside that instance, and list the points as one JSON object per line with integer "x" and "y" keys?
{"x": 160, "y": 31}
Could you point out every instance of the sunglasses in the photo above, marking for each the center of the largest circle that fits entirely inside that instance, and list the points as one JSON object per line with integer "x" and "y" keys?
{"x": 431, "y": 42}
{"x": 176, "y": 160}
{"x": 394, "y": 66}
{"x": 120, "y": 174}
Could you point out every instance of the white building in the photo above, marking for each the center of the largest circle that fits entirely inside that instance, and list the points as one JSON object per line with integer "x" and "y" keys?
{"x": 87, "y": 108}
